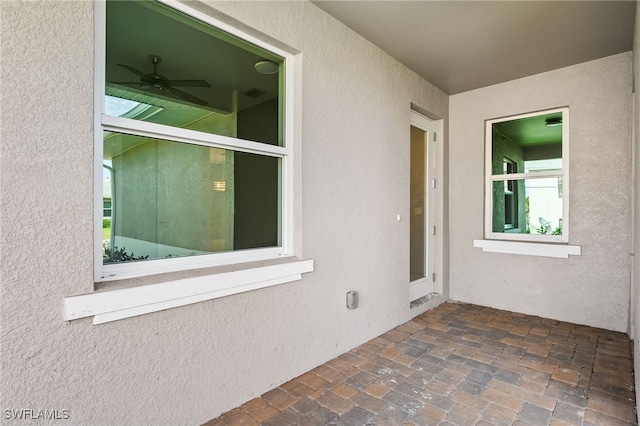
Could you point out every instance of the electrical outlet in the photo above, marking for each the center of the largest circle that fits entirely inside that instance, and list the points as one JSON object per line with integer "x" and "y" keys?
{"x": 353, "y": 299}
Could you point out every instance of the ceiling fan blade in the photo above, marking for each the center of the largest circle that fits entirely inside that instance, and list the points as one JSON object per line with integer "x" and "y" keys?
{"x": 189, "y": 83}
{"x": 186, "y": 96}
{"x": 133, "y": 70}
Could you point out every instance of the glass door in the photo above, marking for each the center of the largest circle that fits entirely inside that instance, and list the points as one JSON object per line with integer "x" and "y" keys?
{"x": 421, "y": 207}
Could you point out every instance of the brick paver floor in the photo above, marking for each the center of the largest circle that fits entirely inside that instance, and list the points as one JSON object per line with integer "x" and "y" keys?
{"x": 462, "y": 364}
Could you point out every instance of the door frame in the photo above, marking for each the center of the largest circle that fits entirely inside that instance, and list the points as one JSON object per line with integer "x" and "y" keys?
{"x": 434, "y": 229}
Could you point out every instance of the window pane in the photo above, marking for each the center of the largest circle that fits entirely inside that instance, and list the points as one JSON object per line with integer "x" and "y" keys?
{"x": 550, "y": 165}
{"x": 106, "y": 205}
{"x": 172, "y": 199}
{"x": 532, "y": 144}
{"x": 165, "y": 67}
{"x": 528, "y": 206}
{"x": 418, "y": 200}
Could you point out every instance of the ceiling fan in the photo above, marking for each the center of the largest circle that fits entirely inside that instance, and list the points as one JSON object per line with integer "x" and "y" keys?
{"x": 156, "y": 82}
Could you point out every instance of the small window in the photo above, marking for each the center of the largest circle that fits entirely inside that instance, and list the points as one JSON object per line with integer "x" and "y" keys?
{"x": 195, "y": 155}
{"x": 510, "y": 197}
{"x": 527, "y": 176}
{"x": 106, "y": 210}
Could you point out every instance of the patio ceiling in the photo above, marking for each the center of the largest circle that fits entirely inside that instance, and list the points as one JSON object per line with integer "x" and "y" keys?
{"x": 463, "y": 45}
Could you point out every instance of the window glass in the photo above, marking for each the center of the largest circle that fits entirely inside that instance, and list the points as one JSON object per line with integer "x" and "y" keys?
{"x": 195, "y": 168}
{"x": 527, "y": 176}
{"x": 510, "y": 196}
{"x": 548, "y": 165}
{"x": 118, "y": 107}
{"x": 167, "y": 68}
{"x": 531, "y": 144}
{"x": 106, "y": 208}
{"x": 538, "y": 211}
{"x": 171, "y": 199}
{"x": 418, "y": 202}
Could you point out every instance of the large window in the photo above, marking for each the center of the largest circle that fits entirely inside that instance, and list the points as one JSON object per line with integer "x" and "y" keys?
{"x": 195, "y": 147}
{"x": 527, "y": 177}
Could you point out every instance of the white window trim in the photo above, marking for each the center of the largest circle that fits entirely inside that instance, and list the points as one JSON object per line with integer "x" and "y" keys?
{"x": 489, "y": 179}
{"x": 114, "y": 305}
{"x": 103, "y": 122}
{"x": 530, "y": 249}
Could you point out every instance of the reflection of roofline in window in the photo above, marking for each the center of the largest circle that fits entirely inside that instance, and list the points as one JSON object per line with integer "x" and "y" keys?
{"x": 113, "y": 106}
{"x": 118, "y": 106}
{"x": 140, "y": 109}
{"x": 545, "y": 165}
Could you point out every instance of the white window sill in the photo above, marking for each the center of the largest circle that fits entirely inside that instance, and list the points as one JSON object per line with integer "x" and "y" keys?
{"x": 114, "y": 305}
{"x": 529, "y": 249}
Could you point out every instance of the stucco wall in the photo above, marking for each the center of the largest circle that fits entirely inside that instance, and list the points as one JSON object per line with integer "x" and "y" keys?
{"x": 591, "y": 289}
{"x": 189, "y": 364}
{"x": 634, "y": 303}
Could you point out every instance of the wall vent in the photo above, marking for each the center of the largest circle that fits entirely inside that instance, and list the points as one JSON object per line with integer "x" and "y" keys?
{"x": 254, "y": 93}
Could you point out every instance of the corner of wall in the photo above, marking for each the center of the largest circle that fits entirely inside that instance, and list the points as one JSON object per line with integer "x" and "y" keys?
{"x": 634, "y": 291}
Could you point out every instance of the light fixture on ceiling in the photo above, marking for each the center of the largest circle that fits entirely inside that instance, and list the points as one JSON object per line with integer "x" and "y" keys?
{"x": 553, "y": 121}
{"x": 266, "y": 67}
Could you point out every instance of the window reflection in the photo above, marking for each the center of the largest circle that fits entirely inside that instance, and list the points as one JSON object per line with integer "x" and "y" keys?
{"x": 529, "y": 149}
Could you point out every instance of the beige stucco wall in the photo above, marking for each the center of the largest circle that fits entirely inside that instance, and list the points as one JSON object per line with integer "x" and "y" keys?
{"x": 634, "y": 323}
{"x": 189, "y": 364}
{"x": 591, "y": 289}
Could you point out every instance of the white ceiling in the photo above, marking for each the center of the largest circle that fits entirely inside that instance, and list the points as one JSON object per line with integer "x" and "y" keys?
{"x": 464, "y": 45}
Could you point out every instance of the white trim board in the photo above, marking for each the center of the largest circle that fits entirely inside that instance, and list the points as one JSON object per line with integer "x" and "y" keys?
{"x": 530, "y": 249}
{"x": 125, "y": 303}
